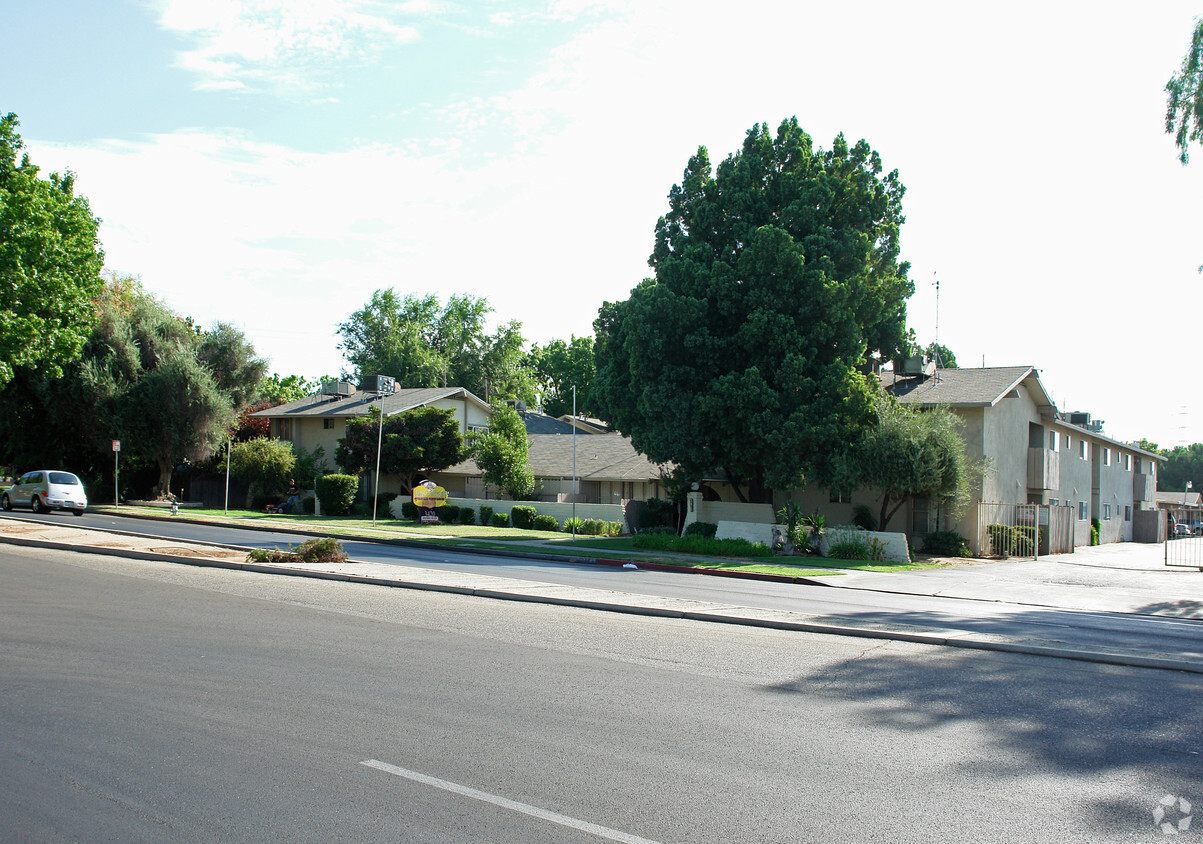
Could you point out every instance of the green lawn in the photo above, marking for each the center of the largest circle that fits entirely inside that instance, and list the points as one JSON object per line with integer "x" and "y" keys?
{"x": 479, "y": 536}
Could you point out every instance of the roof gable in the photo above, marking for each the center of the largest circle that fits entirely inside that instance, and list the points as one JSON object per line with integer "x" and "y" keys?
{"x": 359, "y": 402}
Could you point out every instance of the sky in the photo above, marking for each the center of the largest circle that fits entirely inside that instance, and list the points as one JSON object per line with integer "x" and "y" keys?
{"x": 272, "y": 163}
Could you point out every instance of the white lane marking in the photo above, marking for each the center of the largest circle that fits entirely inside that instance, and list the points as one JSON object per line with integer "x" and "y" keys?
{"x": 512, "y": 805}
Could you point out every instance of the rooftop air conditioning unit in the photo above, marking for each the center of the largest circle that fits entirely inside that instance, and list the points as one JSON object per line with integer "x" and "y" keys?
{"x": 1077, "y": 417}
{"x": 337, "y": 388}
{"x": 377, "y": 384}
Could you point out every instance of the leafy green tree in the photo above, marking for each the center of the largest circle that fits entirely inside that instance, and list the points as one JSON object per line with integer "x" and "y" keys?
{"x": 560, "y": 366}
{"x": 50, "y": 261}
{"x": 421, "y": 440}
{"x": 264, "y": 464}
{"x": 777, "y": 280}
{"x": 422, "y": 344}
{"x": 1183, "y": 463}
{"x": 1184, "y": 97}
{"x": 942, "y": 354}
{"x": 140, "y": 379}
{"x": 912, "y": 453}
{"x": 276, "y": 389}
{"x": 502, "y": 453}
{"x": 232, "y": 362}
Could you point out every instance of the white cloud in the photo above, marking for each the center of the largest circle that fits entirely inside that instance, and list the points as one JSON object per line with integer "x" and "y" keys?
{"x": 283, "y": 45}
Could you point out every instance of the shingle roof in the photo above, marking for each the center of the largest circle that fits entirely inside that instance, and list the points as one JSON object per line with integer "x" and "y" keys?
{"x": 358, "y": 403}
{"x": 957, "y": 387}
{"x": 599, "y": 457}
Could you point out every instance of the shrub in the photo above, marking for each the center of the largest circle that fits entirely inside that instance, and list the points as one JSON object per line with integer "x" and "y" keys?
{"x": 337, "y": 493}
{"x": 573, "y": 526}
{"x": 945, "y": 543}
{"x": 663, "y": 530}
{"x": 409, "y": 510}
{"x": 863, "y": 517}
{"x": 486, "y": 514}
{"x": 656, "y": 512}
{"x": 701, "y": 545}
{"x": 544, "y": 522}
{"x": 613, "y": 528}
{"x": 849, "y": 549}
{"x": 1009, "y": 540}
{"x": 523, "y": 516}
{"x": 328, "y": 550}
{"x": 706, "y": 529}
{"x": 594, "y": 527}
{"x": 309, "y": 505}
{"x": 467, "y": 516}
{"x": 501, "y": 520}
{"x": 448, "y": 514}
{"x": 383, "y": 500}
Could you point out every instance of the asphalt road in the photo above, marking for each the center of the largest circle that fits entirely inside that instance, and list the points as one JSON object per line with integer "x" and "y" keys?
{"x": 1115, "y": 632}
{"x": 146, "y": 701}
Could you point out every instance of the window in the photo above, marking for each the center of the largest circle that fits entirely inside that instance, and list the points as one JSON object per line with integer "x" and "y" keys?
{"x": 1053, "y": 502}
{"x": 1127, "y": 512}
{"x": 1127, "y": 462}
{"x": 1068, "y": 442}
{"x": 1106, "y": 512}
{"x": 1082, "y": 514}
{"x": 1082, "y": 449}
{"x": 1052, "y": 440}
{"x": 327, "y": 423}
{"x": 284, "y": 429}
{"x": 1106, "y": 456}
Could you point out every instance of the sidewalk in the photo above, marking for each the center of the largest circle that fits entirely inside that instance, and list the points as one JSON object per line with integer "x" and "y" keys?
{"x": 1117, "y": 578}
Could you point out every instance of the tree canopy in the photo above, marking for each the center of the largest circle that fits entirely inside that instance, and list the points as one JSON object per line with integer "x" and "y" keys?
{"x": 50, "y": 262}
{"x": 1182, "y": 463}
{"x": 558, "y": 367}
{"x": 1184, "y": 97}
{"x": 502, "y": 452}
{"x": 424, "y": 439}
{"x": 911, "y": 453}
{"x": 144, "y": 376}
{"x": 423, "y": 344}
{"x": 776, "y": 280}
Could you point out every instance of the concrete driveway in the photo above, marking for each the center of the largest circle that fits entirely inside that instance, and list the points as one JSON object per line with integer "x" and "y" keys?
{"x": 1121, "y": 577}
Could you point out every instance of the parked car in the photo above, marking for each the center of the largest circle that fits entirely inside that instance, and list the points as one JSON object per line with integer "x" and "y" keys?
{"x": 1181, "y": 529}
{"x": 44, "y": 490}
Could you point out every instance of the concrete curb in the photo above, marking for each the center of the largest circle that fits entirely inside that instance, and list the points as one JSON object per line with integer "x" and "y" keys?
{"x": 713, "y": 616}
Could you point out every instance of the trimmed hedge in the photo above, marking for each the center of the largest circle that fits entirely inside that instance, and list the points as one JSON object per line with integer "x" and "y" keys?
{"x": 409, "y": 510}
{"x": 702, "y": 545}
{"x": 523, "y": 516}
{"x": 706, "y": 529}
{"x": 337, "y": 493}
{"x": 501, "y": 520}
{"x": 486, "y": 515}
{"x": 543, "y": 522}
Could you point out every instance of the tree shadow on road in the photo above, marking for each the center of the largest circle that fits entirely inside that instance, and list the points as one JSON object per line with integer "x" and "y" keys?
{"x": 1177, "y": 609}
{"x": 1043, "y": 716}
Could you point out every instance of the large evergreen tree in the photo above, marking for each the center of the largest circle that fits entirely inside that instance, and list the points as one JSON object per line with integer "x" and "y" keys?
{"x": 420, "y": 440}
{"x": 777, "y": 281}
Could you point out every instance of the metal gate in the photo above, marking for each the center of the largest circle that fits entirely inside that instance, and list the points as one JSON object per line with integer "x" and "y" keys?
{"x": 1184, "y": 542}
{"x": 1024, "y": 530}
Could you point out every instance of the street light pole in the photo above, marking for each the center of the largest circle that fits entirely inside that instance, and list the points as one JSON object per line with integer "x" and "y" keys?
{"x": 383, "y": 385}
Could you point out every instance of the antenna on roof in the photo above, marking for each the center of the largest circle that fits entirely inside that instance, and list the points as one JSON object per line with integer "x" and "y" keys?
{"x": 933, "y": 272}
